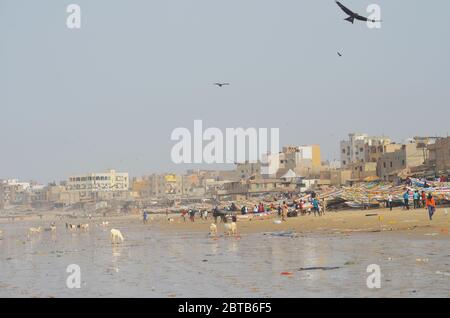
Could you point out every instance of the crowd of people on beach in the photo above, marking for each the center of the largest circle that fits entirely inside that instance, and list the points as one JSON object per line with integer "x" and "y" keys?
{"x": 420, "y": 200}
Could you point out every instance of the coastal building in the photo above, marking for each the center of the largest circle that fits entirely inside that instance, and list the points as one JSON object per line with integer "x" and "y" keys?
{"x": 247, "y": 188}
{"x": 2, "y": 202}
{"x": 98, "y": 182}
{"x": 439, "y": 156}
{"x": 305, "y": 161}
{"x": 357, "y": 148}
{"x": 362, "y": 170}
{"x": 412, "y": 154}
{"x": 248, "y": 170}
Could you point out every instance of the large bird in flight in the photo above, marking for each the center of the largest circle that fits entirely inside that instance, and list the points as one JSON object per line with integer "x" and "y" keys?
{"x": 352, "y": 15}
{"x": 221, "y": 84}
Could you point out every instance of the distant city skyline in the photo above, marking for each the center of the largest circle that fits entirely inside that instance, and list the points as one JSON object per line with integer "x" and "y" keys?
{"x": 109, "y": 94}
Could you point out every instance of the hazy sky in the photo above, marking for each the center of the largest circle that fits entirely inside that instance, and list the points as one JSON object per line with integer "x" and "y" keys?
{"x": 110, "y": 94}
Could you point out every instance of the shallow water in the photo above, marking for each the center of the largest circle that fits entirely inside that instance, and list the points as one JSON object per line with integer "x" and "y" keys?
{"x": 153, "y": 263}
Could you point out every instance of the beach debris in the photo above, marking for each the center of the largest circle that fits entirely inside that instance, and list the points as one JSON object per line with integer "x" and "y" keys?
{"x": 323, "y": 268}
{"x": 431, "y": 234}
{"x": 350, "y": 263}
{"x": 289, "y": 234}
{"x": 444, "y": 230}
{"x": 443, "y": 273}
{"x": 422, "y": 260}
{"x": 372, "y": 214}
{"x": 286, "y": 273}
{"x": 277, "y": 221}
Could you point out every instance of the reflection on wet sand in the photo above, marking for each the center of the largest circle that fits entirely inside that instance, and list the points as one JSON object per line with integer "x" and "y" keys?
{"x": 157, "y": 263}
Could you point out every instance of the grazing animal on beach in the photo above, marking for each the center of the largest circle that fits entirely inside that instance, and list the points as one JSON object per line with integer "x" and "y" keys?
{"x": 52, "y": 228}
{"x": 32, "y": 230}
{"x": 116, "y": 235}
{"x": 213, "y": 229}
{"x": 83, "y": 227}
{"x": 71, "y": 226}
{"x": 230, "y": 228}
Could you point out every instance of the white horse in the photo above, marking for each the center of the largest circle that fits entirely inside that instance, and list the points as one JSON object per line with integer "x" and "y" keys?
{"x": 116, "y": 235}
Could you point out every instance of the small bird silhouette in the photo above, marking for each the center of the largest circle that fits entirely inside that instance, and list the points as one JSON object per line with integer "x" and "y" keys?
{"x": 352, "y": 15}
{"x": 221, "y": 84}
{"x": 339, "y": 53}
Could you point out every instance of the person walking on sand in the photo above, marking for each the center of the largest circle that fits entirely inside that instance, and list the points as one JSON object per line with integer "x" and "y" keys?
{"x": 389, "y": 201}
{"x": 431, "y": 205}
{"x": 416, "y": 198}
{"x": 406, "y": 199}
{"x": 145, "y": 217}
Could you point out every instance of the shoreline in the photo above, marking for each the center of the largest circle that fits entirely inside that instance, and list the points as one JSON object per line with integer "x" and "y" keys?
{"x": 343, "y": 222}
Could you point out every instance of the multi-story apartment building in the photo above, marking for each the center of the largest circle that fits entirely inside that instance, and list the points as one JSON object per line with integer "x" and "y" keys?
{"x": 109, "y": 181}
{"x": 358, "y": 148}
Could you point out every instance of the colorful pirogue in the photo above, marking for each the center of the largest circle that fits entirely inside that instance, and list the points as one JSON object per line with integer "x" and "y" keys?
{"x": 374, "y": 194}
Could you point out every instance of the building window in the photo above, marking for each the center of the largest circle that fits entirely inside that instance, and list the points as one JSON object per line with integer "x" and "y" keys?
{"x": 391, "y": 164}
{"x": 343, "y": 150}
{"x": 403, "y": 162}
{"x": 384, "y": 164}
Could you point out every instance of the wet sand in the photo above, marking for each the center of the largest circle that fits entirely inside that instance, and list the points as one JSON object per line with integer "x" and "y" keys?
{"x": 171, "y": 259}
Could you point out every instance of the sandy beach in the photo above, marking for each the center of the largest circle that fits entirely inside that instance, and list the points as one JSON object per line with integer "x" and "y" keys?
{"x": 378, "y": 220}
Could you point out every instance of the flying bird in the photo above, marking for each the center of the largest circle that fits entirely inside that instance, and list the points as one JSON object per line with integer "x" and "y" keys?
{"x": 352, "y": 15}
{"x": 339, "y": 53}
{"x": 221, "y": 84}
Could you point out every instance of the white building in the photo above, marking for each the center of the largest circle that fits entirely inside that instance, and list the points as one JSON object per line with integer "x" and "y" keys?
{"x": 355, "y": 149}
{"x": 99, "y": 182}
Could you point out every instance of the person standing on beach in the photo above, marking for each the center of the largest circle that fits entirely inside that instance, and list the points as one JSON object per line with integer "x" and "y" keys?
{"x": 284, "y": 212}
{"x": 315, "y": 204}
{"x": 431, "y": 205}
{"x": 406, "y": 199}
{"x": 389, "y": 201}
{"x": 416, "y": 198}
{"x": 424, "y": 198}
{"x": 324, "y": 206}
{"x": 145, "y": 217}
